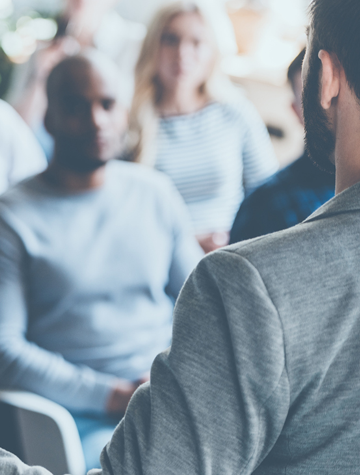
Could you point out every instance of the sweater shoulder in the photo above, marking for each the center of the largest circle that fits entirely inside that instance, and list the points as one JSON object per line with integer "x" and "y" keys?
{"x": 138, "y": 174}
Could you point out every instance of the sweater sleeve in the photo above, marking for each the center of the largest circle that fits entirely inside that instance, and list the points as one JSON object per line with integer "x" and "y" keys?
{"x": 11, "y": 465}
{"x": 219, "y": 397}
{"x": 23, "y": 364}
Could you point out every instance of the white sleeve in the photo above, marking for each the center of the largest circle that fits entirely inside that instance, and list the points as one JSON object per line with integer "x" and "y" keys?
{"x": 21, "y": 155}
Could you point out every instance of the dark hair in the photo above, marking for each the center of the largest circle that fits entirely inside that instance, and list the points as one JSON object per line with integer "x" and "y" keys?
{"x": 336, "y": 29}
{"x": 295, "y": 67}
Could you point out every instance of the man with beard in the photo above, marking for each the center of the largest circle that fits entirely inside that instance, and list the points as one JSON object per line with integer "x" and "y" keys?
{"x": 263, "y": 375}
{"x": 292, "y": 194}
{"x": 93, "y": 252}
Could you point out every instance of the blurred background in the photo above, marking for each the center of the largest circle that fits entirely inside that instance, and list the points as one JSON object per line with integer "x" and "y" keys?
{"x": 258, "y": 38}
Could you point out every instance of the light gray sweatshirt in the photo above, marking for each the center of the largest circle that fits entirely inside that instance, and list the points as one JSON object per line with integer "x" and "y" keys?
{"x": 88, "y": 281}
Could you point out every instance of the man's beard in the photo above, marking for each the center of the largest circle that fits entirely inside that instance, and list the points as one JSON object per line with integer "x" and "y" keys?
{"x": 319, "y": 139}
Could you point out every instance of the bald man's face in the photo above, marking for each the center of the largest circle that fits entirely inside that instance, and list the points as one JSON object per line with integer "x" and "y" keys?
{"x": 86, "y": 118}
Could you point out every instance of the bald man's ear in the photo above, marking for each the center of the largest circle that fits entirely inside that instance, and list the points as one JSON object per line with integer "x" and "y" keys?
{"x": 329, "y": 79}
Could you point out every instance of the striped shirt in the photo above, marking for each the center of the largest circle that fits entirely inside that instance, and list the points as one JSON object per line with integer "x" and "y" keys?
{"x": 215, "y": 156}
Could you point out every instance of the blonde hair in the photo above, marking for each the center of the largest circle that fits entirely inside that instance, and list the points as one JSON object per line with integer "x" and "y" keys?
{"x": 143, "y": 117}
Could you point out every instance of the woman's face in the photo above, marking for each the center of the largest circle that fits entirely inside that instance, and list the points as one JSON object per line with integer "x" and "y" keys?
{"x": 186, "y": 53}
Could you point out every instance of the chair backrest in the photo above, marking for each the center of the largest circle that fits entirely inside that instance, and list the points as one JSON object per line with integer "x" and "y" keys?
{"x": 40, "y": 432}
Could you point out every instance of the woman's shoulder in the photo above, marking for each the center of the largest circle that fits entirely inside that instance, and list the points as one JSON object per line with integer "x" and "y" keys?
{"x": 231, "y": 109}
{"x": 238, "y": 107}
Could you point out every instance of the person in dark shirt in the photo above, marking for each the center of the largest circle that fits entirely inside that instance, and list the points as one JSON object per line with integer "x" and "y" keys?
{"x": 291, "y": 195}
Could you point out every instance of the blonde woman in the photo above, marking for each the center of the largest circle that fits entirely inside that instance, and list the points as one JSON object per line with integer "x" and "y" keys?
{"x": 187, "y": 121}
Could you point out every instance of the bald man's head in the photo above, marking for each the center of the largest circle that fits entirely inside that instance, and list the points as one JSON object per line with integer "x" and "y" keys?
{"x": 85, "y": 115}
{"x": 80, "y": 67}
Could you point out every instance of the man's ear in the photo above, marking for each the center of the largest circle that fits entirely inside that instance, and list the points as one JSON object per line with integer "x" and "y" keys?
{"x": 330, "y": 79}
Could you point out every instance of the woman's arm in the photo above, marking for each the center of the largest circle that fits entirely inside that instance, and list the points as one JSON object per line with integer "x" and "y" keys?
{"x": 259, "y": 160}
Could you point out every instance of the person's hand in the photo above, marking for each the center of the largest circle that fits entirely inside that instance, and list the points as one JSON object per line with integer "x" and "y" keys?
{"x": 120, "y": 396}
{"x": 213, "y": 241}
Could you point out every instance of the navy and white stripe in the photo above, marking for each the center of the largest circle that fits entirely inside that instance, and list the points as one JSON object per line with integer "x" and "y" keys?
{"x": 214, "y": 156}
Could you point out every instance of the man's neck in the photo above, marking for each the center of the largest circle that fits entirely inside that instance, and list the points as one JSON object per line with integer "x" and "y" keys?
{"x": 347, "y": 159}
{"x": 59, "y": 177}
{"x": 347, "y": 149}
{"x": 345, "y": 178}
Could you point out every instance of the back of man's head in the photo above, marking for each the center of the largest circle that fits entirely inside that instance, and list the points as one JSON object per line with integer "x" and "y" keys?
{"x": 336, "y": 29}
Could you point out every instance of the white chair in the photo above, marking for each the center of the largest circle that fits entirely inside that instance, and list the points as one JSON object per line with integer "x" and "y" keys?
{"x": 43, "y": 432}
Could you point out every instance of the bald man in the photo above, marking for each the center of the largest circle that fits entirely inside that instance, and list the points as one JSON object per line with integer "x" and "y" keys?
{"x": 93, "y": 253}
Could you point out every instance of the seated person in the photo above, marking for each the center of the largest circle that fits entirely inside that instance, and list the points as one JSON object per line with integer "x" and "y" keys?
{"x": 188, "y": 122}
{"x": 93, "y": 253}
{"x": 20, "y": 154}
{"x": 292, "y": 194}
{"x": 263, "y": 375}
